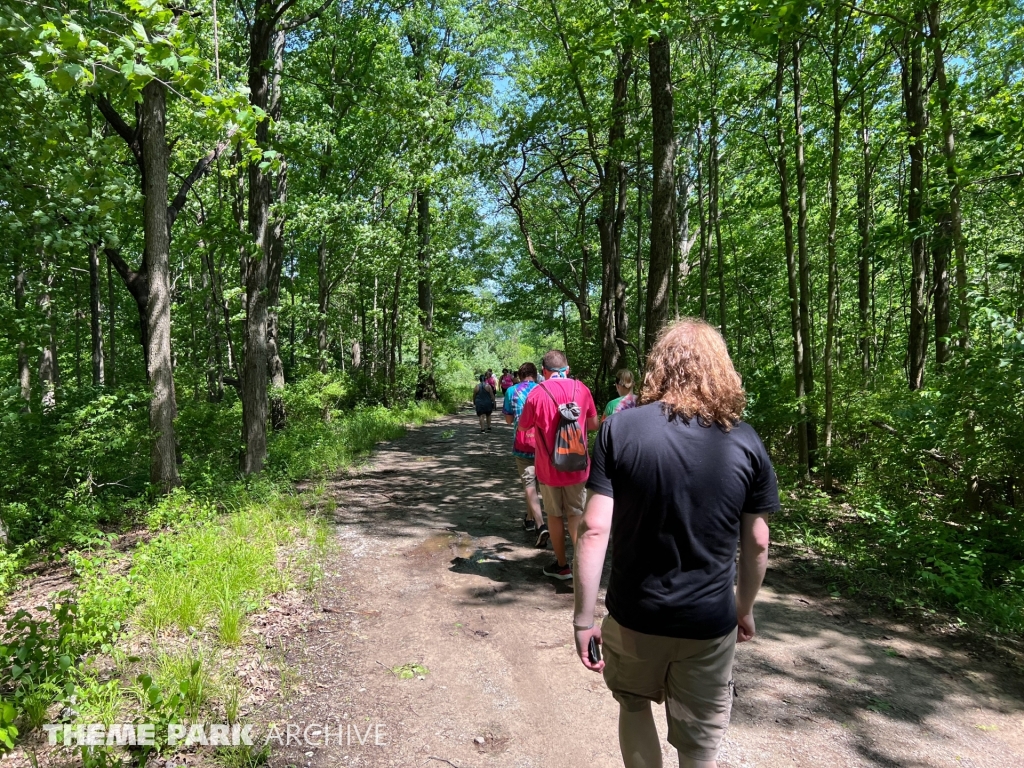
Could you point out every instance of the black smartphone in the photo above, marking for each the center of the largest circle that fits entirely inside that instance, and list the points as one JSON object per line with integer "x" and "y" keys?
{"x": 594, "y": 650}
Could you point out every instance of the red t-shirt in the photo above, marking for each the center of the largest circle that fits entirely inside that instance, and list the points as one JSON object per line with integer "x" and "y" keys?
{"x": 540, "y": 412}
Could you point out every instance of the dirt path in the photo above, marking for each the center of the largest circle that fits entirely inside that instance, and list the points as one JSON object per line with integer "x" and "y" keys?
{"x": 433, "y": 568}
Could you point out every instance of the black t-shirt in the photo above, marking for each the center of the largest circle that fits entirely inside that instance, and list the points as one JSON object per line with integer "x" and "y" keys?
{"x": 680, "y": 490}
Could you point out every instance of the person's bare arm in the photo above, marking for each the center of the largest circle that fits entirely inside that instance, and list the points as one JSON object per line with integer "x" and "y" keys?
{"x": 591, "y": 546}
{"x": 509, "y": 419}
{"x": 753, "y": 563}
{"x": 593, "y": 423}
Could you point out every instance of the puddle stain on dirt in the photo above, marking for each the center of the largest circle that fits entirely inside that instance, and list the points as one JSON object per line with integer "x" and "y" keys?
{"x": 459, "y": 545}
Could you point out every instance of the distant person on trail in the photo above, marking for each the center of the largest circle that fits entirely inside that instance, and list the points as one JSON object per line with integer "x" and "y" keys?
{"x": 491, "y": 381}
{"x": 560, "y": 410}
{"x": 483, "y": 401}
{"x": 506, "y": 380}
{"x": 523, "y": 450}
{"x": 626, "y": 398}
{"x": 676, "y": 483}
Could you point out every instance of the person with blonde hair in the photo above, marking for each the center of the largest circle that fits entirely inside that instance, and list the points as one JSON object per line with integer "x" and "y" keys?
{"x": 675, "y": 484}
{"x": 626, "y": 398}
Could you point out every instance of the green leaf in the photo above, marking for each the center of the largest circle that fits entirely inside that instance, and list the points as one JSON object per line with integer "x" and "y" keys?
{"x": 63, "y": 80}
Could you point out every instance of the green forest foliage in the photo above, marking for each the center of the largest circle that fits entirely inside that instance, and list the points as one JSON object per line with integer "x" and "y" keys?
{"x": 406, "y": 194}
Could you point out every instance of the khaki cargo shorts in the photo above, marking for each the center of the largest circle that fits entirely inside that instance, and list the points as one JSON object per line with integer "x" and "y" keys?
{"x": 693, "y": 677}
{"x": 564, "y": 500}
{"x": 527, "y": 472}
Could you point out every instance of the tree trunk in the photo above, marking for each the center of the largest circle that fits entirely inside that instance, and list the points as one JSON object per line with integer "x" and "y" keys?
{"x": 791, "y": 270}
{"x": 715, "y": 215}
{"x": 611, "y": 316}
{"x": 963, "y": 320}
{"x": 941, "y": 245}
{"x": 239, "y": 213}
{"x": 291, "y": 323}
{"x": 24, "y": 372}
{"x": 394, "y": 322}
{"x": 639, "y": 254}
{"x": 375, "y": 342}
{"x": 163, "y": 468}
{"x": 703, "y": 244}
{"x": 95, "y": 319}
{"x": 254, "y": 373}
{"x": 214, "y": 354}
{"x": 323, "y": 304}
{"x": 357, "y": 349}
{"x": 111, "y": 361}
{"x": 78, "y": 330}
{"x": 803, "y": 261}
{"x": 833, "y": 218}
{"x": 49, "y": 377}
{"x": 914, "y": 97}
{"x": 276, "y": 366}
{"x": 659, "y": 269}
{"x": 621, "y": 299}
{"x": 425, "y": 388}
{"x": 864, "y": 222}
{"x": 683, "y": 239}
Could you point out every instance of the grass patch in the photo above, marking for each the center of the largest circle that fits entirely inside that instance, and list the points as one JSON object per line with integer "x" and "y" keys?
{"x": 215, "y": 558}
{"x": 908, "y": 558}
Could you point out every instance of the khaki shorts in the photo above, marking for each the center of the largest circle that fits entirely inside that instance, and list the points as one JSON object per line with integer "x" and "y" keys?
{"x": 694, "y": 677}
{"x": 564, "y": 500}
{"x": 527, "y": 472}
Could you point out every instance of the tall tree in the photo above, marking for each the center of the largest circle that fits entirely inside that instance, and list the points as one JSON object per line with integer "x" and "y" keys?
{"x": 803, "y": 260}
{"x": 427, "y": 387}
{"x": 264, "y": 28}
{"x": 163, "y": 466}
{"x": 276, "y": 251}
{"x": 95, "y": 316}
{"x": 951, "y": 223}
{"x": 49, "y": 373}
{"x": 24, "y": 372}
{"x": 915, "y": 100}
{"x": 659, "y": 269}
{"x": 864, "y": 245}
{"x": 262, "y": 31}
{"x": 612, "y": 318}
{"x": 785, "y": 207}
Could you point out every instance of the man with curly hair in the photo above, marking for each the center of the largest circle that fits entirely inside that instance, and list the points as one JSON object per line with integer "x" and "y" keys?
{"x": 676, "y": 484}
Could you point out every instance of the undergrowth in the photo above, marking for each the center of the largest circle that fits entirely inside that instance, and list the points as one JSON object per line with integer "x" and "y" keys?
{"x": 913, "y": 557}
{"x": 146, "y": 634}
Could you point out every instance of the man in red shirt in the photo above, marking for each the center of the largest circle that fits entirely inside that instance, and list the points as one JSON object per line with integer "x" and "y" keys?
{"x": 564, "y": 493}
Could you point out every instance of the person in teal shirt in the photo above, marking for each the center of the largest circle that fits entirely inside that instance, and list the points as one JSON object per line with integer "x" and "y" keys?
{"x": 626, "y": 399}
